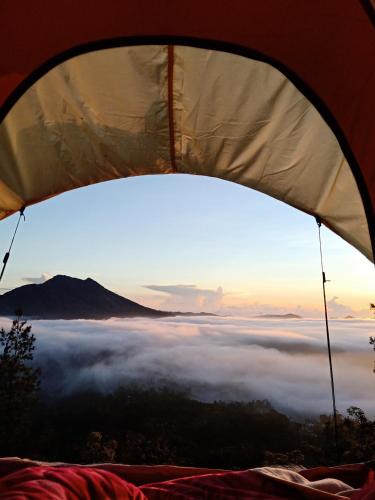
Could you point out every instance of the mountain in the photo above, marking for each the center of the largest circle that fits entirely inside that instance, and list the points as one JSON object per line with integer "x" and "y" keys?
{"x": 279, "y": 316}
{"x": 63, "y": 297}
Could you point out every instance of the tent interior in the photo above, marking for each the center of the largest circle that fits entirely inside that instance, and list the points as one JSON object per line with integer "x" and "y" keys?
{"x": 96, "y": 106}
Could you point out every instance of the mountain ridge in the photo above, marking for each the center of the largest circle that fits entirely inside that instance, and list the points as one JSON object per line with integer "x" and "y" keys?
{"x": 65, "y": 297}
{"x": 279, "y": 316}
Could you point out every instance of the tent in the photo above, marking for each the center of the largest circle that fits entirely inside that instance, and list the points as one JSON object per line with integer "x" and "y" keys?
{"x": 277, "y": 96}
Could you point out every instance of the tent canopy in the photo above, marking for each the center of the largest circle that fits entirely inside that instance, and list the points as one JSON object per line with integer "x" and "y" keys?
{"x": 273, "y": 95}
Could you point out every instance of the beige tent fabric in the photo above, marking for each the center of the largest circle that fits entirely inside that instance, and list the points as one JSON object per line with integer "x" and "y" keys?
{"x": 97, "y": 117}
{"x": 104, "y": 115}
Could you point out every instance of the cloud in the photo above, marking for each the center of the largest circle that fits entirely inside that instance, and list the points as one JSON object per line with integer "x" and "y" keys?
{"x": 189, "y": 297}
{"x": 337, "y": 309}
{"x": 43, "y": 277}
{"x": 216, "y": 358}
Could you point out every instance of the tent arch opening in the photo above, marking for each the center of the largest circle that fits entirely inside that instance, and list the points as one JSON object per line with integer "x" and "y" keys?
{"x": 131, "y": 110}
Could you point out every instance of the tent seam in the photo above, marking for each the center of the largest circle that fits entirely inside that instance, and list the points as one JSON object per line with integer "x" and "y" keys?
{"x": 170, "y": 108}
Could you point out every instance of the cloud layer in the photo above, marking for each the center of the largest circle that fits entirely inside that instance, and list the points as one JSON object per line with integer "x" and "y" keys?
{"x": 225, "y": 358}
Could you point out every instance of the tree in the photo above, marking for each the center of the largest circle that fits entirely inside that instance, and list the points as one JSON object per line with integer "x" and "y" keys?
{"x": 97, "y": 451}
{"x": 358, "y": 436}
{"x": 19, "y": 384}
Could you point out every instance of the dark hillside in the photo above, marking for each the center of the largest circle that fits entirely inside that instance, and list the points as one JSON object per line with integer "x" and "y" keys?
{"x": 63, "y": 297}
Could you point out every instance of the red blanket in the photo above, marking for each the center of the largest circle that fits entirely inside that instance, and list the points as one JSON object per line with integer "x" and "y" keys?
{"x": 23, "y": 479}
{"x": 67, "y": 483}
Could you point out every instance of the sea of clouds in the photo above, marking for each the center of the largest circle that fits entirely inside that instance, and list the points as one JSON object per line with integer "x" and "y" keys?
{"x": 226, "y": 358}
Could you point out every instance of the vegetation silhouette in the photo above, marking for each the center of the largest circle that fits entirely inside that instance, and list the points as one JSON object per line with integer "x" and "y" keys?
{"x": 19, "y": 385}
{"x": 139, "y": 425}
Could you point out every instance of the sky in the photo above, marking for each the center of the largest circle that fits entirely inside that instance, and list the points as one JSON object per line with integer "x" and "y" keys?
{"x": 189, "y": 243}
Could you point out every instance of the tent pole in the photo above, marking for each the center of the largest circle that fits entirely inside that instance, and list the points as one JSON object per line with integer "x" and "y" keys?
{"x": 324, "y": 281}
